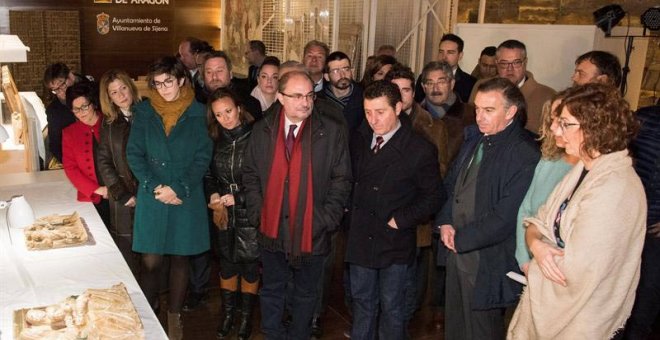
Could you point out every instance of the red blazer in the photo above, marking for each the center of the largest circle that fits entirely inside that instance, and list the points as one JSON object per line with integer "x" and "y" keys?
{"x": 78, "y": 158}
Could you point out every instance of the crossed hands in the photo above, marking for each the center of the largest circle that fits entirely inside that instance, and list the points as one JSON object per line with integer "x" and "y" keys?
{"x": 227, "y": 200}
{"x": 544, "y": 255}
{"x": 166, "y": 195}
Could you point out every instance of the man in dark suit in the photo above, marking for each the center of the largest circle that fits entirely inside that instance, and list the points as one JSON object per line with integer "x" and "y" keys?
{"x": 451, "y": 52}
{"x": 486, "y": 185}
{"x": 255, "y": 55}
{"x": 295, "y": 188}
{"x": 397, "y": 186}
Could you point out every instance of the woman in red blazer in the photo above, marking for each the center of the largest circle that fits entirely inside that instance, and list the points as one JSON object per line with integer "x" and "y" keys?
{"x": 80, "y": 141}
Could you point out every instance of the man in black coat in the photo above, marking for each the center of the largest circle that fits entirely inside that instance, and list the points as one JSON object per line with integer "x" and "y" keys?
{"x": 486, "y": 185}
{"x": 217, "y": 73}
{"x": 295, "y": 188}
{"x": 397, "y": 186}
{"x": 341, "y": 90}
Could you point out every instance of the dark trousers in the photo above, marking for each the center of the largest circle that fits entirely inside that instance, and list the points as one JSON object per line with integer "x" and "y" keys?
{"x": 200, "y": 272}
{"x": 647, "y": 301}
{"x": 372, "y": 288}
{"x": 276, "y": 273}
{"x": 461, "y": 321}
{"x": 324, "y": 283}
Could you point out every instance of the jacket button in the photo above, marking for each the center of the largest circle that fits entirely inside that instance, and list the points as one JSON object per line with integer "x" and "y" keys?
{"x": 375, "y": 188}
{"x": 286, "y": 217}
{"x": 372, "y": 213}
{"x": 458, "y": 201}
{"x": 371, "y": 237}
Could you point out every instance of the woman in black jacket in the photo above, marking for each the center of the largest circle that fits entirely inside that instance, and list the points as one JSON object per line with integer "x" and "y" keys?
{"x": 117, "y": 93}
{"x": 229, "y": 127}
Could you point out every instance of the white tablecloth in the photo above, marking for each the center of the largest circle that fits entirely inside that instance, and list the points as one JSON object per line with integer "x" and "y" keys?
{"x": 38, "y": 278}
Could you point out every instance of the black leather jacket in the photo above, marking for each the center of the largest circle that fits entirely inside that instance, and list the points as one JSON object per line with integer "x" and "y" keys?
{"x": 225, "y": 177}
{"x": 111, "y": 160}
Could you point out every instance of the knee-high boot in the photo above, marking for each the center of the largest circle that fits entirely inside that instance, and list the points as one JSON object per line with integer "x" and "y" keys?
{"x": 248, "y": 297}
{"x": 228, "y": 289}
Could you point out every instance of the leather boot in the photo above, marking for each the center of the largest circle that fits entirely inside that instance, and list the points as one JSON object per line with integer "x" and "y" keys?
{"x": 245, "y": 328}
{"x": 228, "y": 306}
{"x": 174, "y": 326}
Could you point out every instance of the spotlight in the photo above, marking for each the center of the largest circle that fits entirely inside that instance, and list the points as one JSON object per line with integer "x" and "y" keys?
{"x": 608, "y": 17}
{"x": 651, "y": 18}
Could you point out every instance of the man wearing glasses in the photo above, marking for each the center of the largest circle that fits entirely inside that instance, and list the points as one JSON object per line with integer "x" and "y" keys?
{"x": 57, "y": 78}
{"x": 297, "y": 180}
{"x": 444, "y": 104}
{"x": 342, "y": 90}
{"x": 512, "y": 64}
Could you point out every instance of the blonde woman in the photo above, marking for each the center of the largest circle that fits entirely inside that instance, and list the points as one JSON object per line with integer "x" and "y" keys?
{"x": 117, "y": 93}
{"x": 555, "y": 163}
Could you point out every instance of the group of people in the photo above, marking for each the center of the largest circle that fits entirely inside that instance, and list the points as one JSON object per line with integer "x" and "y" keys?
{"x": 493, "y": 171}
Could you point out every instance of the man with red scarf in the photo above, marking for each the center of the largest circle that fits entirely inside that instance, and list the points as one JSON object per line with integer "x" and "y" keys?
{"x": 297, "y": 180}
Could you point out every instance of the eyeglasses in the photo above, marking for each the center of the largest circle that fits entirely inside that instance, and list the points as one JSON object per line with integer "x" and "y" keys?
{"x": 60, "y": 88}
{"x": 297, "y": 96}
{"x": 506, "y": 64}
{"x": 167, "y": 83}
{"x": 440, "y": 81}
{"x": 81, "y": 108}
{"x": 564, "y": 125}
{"x": 339, "y": 70}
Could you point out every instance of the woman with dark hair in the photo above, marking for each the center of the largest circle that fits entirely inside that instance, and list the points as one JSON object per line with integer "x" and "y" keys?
{"x": 229, "y": 126}
{"x": 377, "y": 69}
{"x": 586, "y": 240}
{"x": 117, "y": 94}
{"x": 80, "y": 142}
{"x": 267, "y": 78}
{"x": 169, "y": 152}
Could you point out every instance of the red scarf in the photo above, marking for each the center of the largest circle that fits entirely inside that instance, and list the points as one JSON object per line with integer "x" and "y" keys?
{"x": 301, "y": 198}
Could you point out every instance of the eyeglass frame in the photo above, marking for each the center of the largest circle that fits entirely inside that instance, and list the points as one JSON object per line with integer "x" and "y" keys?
{"x": 159, "y": 85}
{"x": 60, "y": 88}
{"x": 299, "y": 96}
{"x": 564, "y": 125}
{"x": 338, "y": 70}
{"x": 82, "y": 108}
{"x": 513, "y": 64}
{"x": 441, "y": 81}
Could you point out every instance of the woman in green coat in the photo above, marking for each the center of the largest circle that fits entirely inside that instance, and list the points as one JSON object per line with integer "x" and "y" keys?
{"x": 169, "y": 152}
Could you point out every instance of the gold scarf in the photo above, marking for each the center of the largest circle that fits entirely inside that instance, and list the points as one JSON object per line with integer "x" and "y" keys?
{"x": 170, "y": 112}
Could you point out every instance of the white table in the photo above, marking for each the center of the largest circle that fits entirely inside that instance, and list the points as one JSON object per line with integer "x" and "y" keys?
{"x": 38, "y": 278}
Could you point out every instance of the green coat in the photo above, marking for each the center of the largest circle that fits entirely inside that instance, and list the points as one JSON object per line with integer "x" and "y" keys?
{"x": 179, "y": 160}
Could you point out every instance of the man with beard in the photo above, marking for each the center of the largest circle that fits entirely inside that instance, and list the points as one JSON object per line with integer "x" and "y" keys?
{"x": 597, "y": 67}
{"x": 442, "y": 103}
{"x": 342, "y": 90}
{"x": 217, "y": 74}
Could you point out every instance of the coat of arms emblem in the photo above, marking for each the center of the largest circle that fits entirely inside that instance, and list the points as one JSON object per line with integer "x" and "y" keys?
{"x": 103, "y": 23}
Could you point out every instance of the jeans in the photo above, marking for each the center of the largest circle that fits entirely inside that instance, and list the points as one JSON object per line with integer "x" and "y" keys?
{"x": 276, "y": 274}
{"x": 371, "y": 287}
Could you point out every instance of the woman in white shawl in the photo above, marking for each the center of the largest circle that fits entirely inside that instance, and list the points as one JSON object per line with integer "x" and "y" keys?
{"x": 587, "y": 238}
